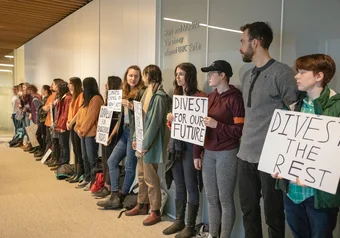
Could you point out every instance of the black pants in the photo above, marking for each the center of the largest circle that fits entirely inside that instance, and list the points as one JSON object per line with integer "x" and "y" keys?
{"x": 48, "y": 140}
{"x": 185, "y": 177}
{"x": 78, "y": 160}
{"x": 106, "y": 152}
{"x": 41, "y": 135}
{"x": 55, "y": 148}
{"x": 64, "y": 145}
{"x": 251, "y": 183}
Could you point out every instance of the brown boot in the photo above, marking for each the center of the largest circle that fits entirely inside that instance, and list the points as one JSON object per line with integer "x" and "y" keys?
{"x": 153, "y": 218}
{"x": 139, "y": 209}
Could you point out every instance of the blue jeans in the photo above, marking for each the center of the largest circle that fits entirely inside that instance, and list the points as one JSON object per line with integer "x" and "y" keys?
{"x": 305, "y": 221}
{"x": 123, "y": 148}
{"x": 25, "y": 123}
{"x": 15, "y": 123}
{"x": 185, "y": 177}
{"x": 89, "y": 151}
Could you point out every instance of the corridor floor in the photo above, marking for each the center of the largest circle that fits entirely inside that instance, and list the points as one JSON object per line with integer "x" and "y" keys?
{"x": 33, "y": 203}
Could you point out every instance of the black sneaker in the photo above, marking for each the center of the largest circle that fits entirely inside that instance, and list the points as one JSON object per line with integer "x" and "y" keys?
{"x": 39, "y": 154}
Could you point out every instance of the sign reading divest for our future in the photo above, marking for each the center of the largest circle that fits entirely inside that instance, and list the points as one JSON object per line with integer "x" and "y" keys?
{"x": 303, "y": 145}
{"x": 137, "y": 107}
{"x": 104, "y": 123}
{"x": 188, "y": 114}
{"x": 114, "y": 100}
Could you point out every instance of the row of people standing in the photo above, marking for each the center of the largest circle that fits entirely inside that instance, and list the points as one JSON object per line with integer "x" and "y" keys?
{"x": 268, "y": 86}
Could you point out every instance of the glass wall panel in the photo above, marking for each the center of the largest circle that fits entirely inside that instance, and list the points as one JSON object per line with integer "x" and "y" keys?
{"x": 183, "y": 39}
{"x": 312, "y": 26}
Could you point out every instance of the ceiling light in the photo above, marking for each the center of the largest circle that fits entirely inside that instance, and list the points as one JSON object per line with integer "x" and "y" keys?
{"x": 7, "y": 65}
{"x": 9, "y": 56}
{"x": 176, "y": 20}
{"x": 201, "y": 24}
{"x": 5, "y": 70}
{"x": 221, "y": 28}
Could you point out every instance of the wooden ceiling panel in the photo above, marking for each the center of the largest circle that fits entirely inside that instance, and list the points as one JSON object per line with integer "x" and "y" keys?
{"x": 22, "y": 20}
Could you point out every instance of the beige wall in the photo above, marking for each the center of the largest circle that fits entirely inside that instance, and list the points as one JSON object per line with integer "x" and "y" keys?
{"x": 19, "y": 62}
{"x": 6, "y": 84}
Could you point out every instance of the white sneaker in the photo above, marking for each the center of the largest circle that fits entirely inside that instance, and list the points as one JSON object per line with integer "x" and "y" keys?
{"x": 82, "y": 184}
{"x": 87, "y": 187}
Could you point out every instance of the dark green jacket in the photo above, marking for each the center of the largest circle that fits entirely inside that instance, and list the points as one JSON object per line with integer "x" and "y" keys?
{"x": 155, "y": 137}
{"x": 328, "y": 104}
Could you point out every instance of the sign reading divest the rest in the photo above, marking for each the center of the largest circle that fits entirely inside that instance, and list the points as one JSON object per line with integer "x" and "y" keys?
{"x": 188, "y": 114}
{"x": 303, "y": 145}
{"x": 104, "y": 123}
{"x": 114, "y": 100}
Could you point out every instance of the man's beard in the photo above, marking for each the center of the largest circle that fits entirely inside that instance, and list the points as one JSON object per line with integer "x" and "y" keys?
{"x": 247, "y": 56}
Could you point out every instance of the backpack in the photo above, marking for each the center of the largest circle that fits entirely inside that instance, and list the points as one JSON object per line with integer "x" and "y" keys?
{"x": 98, "y": 183}
{"x": 64, "y": 171}
{"x": 130, "y": 201}
{"x": 98, "y": 168}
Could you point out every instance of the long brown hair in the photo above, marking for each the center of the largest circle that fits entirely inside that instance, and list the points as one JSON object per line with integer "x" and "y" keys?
{"x": 127, "y": 92}
{"x": 76, "y": 82}
{"x": 190, "y": 79}
{"x": 154, "y": 75}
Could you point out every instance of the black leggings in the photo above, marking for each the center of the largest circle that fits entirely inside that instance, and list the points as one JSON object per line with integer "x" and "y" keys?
{"x": 41, "y": 136}
{"x": 78, "y": 159}
{"x": 185, "y": 177}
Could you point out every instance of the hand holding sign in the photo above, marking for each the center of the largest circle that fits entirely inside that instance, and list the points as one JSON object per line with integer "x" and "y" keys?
{"x": 210, "y": 122}
{"x": 127, "y": 104}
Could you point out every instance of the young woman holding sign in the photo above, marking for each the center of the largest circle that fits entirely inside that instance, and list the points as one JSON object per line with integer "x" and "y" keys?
{"x": 113, "y": 83}
{"x": 133, "y": 89}
{"x": 154, "y": 106}
{"x": 311, "y": 212}
{"x": 86, "y": 128}
{"x": 181, "y": 165}
{"x": 224, "y": 129}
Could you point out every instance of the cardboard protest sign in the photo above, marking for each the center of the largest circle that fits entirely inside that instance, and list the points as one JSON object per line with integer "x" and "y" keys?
{"x": 104, "y": 122}
{"x": 188, "y": 113}
{"x": 138, "y": 125}
{"x": 303, "y": 145}
{"x": 31, "y": 131}
{"x": 114, "y": 100}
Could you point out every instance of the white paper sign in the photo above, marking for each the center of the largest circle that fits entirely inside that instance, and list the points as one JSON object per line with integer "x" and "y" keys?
{"x": 114, "y": 100}
{"x": 188, "y": 113}
{"x": 137, "y": 107}
{"x": 48, "y": 152}
{"x": 104, "y": 122}
{"x": 31, "y": 131}
{"x": 305, "y": 146}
